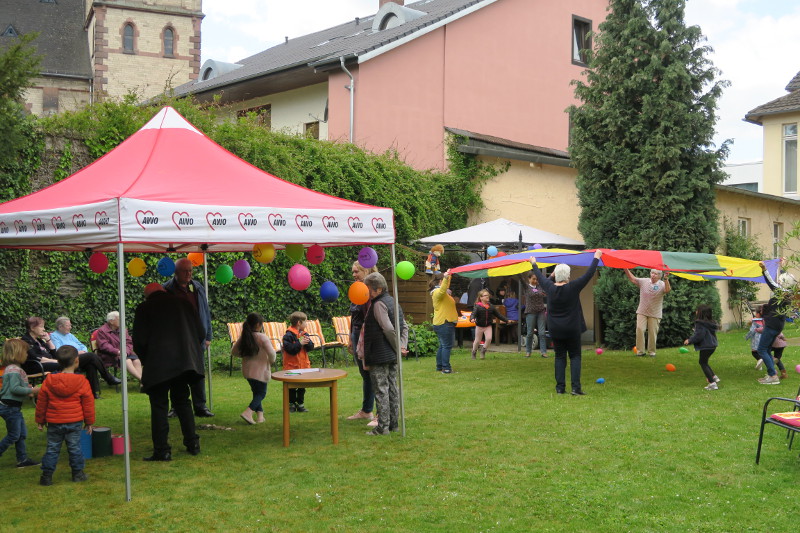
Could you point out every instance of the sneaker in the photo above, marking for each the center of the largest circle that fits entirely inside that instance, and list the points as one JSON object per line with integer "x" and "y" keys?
{"x": 27, "y": 462}
{"x": 527, "y": 355}
{"x": 360, "y": 414}
{"x": 759, "y": 364}
{"x": 652, "y": 354}
{"x": 373, "y": 423}
{"x": 716, "y": 379}
{"x": 292, "y": 408}
{"x": 447, "y": 371}
{"x": 375, "y": 431}
{"x": 300, "y": 408}
{"x": 47, "y": 479}
{"x": 711, "y": 386}
{"x": 79, "y": 475}
{"x": 544, "y": 355}
{"x": 770, "y": 380}
{"x": 784, "y": 375}
{"x": 474, "y": 352}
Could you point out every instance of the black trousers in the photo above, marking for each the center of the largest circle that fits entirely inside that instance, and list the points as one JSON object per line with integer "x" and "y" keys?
{"x": 571, "y": 347}
{"x": 91, "y": 365}
{"x": 176, "y": 389}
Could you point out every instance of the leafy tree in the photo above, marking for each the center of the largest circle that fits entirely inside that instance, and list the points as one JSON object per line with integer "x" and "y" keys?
{"x": 18, "y": 64}
{"x": 642, "y": 144}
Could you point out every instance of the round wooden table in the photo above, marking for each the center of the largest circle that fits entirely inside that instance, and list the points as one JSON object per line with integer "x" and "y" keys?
{"x": 310, "y": 378}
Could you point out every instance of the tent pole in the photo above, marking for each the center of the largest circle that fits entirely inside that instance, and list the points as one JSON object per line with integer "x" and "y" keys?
{"x": 399, "y": 353}
{"x": 520, "y": 316}
{"x": 208, "y": 349}
{"x": 123, "y": 357}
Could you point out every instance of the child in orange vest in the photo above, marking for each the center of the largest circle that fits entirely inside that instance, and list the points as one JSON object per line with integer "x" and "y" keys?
{"x": 296, "y": 345}
{"x": 65, "y": 404}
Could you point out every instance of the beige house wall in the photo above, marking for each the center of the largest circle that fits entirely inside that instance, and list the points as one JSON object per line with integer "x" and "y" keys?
{"x": 72, "y": 94}
{"x": 773, "y": 153}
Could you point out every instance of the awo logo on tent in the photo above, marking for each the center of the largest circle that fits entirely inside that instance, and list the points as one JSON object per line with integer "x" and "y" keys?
{"x": 276, "y": 221}
{"x": 146, "y": 218}
{"x": 101, "y": 219}
{"x": 37, "y": 225}
{"x": 216, "y": 220}
{"x": 247, "y": 221}
{"x": 58, "y": 224}
{"x": 329, "y": 223}
{"x": 303, "y": 222}
{"x": 182, "y": 219}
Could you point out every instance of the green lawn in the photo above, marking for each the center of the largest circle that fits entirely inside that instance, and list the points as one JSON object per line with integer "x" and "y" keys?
{"x": 489, "y": 448}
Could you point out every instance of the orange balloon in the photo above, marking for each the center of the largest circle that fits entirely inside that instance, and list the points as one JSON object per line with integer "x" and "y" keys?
{"x": 358, "y": 293}
{"x": 670, "y": 367}
{"x": 196, "y": 258}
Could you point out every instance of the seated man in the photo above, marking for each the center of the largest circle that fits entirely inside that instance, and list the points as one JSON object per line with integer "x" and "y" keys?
{"x": 89, "y": 363}
{"x": 108, "y": 346}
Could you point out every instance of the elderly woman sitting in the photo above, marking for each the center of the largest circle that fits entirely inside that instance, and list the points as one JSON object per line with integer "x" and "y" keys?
{"x": 89, "y": 362}
{"x": 108, "y": 346}
{"x": 41, "y": 350}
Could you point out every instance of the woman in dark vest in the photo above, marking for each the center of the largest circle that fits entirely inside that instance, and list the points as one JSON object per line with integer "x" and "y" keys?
{"x": 380, "y": 352}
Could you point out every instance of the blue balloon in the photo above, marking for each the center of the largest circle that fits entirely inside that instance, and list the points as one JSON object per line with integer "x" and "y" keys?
{"x": 491, "y": 251}
{"x": 166, "y": 266}
{"x": 601, "y": 380}
{"x": 328, "y": 291}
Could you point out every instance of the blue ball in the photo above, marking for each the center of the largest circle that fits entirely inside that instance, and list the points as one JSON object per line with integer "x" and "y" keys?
{"x": 491, "y": 251}
{"x": 601, "y": 380}
{"x": 328, "y": 291}
{"x": 166, "y": 266}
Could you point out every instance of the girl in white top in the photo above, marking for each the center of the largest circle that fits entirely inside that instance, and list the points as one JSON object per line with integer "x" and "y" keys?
{"x": 257, "y": 355}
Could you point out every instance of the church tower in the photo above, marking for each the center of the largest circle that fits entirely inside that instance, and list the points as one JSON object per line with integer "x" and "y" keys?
{"x": 142, "y": 47}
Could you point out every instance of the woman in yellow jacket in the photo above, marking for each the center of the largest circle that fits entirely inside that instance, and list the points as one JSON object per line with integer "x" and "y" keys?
{"x": 445, "y": 317}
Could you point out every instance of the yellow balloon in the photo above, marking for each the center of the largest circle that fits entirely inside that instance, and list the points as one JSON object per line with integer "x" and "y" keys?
{"x": 136, "y": 267}
{"x": 264, "y": 252}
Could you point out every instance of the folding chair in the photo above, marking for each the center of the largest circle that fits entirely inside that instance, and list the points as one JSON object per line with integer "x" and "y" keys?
{"x": 275, "y": 332}
{"x": 341, "y": 324}
{"x": 314, "y": 330}
{"x": 790, "y": 421}
{"x": 234, "y": 332}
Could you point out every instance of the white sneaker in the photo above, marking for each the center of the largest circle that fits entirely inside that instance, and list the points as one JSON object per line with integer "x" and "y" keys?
{"x": 770, "y": 380}
{"x": 711, "y": 386}
{"x": 716, "y": 379}
{"x": 759, "y": 364}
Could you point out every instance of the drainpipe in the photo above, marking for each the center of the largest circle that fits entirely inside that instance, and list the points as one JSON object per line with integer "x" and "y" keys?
{"x": 351, "y": 88}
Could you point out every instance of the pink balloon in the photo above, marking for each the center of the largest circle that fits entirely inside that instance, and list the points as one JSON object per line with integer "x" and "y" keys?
{"x": 599, "y": 351}
{"x": 299, "y": 277}
{"x": 98, "y": 263}
{"x": 315, "y": 254}
{"x": 241, "y": 268}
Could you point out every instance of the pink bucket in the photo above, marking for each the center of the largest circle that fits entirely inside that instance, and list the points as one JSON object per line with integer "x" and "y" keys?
{"x": 118, "y": 444}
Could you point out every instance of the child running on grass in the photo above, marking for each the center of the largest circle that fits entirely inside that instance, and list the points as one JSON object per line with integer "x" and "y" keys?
{"x": 704, "y": 339}
{"x": 756, "y": 327}
{"x": 257, "y": 355}
{"x": 296, "y": 345}
{"x": 13, "y": 393}
{"x": 483, "y": 315}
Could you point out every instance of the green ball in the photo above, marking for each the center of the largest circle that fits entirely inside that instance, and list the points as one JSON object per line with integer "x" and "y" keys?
{"x": 224, "y": 273}
{"x": 405, "y": 269}
{"x": 295, "y": 252}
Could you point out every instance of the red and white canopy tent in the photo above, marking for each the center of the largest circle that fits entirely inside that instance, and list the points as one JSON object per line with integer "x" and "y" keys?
{"x": 170, "y": 188}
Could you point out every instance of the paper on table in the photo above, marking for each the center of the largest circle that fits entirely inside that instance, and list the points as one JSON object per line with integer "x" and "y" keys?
{"x": 295, "y": 371}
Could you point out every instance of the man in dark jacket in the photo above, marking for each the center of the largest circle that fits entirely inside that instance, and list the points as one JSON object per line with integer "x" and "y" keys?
{"x": 167, "y": 336}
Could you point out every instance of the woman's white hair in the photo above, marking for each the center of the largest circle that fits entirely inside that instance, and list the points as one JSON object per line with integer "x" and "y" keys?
{"x": 112, "y": 315}
{"x": 561, "y": 272}
{"x": 786, "y": 280}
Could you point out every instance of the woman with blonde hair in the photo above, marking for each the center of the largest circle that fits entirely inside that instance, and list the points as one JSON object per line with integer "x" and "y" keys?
{"x": 357, "y": 313}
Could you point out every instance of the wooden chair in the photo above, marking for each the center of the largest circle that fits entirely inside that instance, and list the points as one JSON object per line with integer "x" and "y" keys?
{"x": 341, "y": 324}
{"x": 275, "y": 332}
{"x": 790, "y": 421}
{"x": 314, "y": 330}
{"x": 234, "y": 332}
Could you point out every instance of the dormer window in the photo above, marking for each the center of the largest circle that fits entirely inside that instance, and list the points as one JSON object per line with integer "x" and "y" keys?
{"x": 169, "y": 43}
{"x": 9, "y": 32}
{"x": 391, "y": 15}
{"x": 127, "y": 39}
{"x": 389, "y": 21}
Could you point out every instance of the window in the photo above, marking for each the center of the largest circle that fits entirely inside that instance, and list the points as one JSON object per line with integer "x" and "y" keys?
{"x": 127, "y": 39}
{"x": 262, "y": 114}
{"x": 790, "y": 158}
{"x": 744, "y": 227}
{"x": 311, "y": 129}
{"x": 777, "y": 237}
{"x": 169, "y": 43}
{"x": 581, "y": 42}
{"x": 9, "y": 32}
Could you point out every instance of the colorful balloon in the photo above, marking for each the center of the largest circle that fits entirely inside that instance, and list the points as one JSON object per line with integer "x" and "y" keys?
{"x": 137, "y": 267}
{"x": 358, "y": 293}
{"x": 98, "y": 263}
{"x": 500, "y": 254}
{"x": 537, "y": 246}
{"x": 328, "y": 291}
{"x": 683, "y": 349}
{"x": 491, "y": 251}
{"x": 165, "y": 266}
{"x": 224, "y": 274}
{"x": 367, "y": 257}
{"x": 797, "y": 368}
{"x": 241, "y": 268}
{"x": 670, "y": 367}
{"x": 315, "y": 255}
{"x": 196, "y": 258}
{"x": 295, "y": 252}
{"x": 299, "y": 277}
{"x": 404, "y": 269}
{"x": 601, "y": 380}
{"x": 264, "y": 252}
{"x": 599, "y": 351}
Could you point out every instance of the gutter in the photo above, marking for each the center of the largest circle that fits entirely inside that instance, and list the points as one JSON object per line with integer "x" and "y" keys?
{"x": 352, "y": 89}
{"x": 517, "y": 155}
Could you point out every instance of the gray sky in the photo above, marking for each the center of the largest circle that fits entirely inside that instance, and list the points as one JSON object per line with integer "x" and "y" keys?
{"x": 756, "y": 44}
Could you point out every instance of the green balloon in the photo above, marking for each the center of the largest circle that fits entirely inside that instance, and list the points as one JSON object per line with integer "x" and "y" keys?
{"x": 405, "y": 269}
{"x": 224, "y": 273}
{"x": 295, "y": 252}
{"x": 683, "y": 349}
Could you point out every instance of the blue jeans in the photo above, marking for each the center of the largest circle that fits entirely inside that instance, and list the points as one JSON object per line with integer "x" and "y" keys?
{"x": 540, "y": 325}
{"x": 16, "y": 431}
{"x": 445, "y": 332}
{"x": 764, "y": 346}
{"x": 58, "y": 433}
{"x": 259, "y": 389}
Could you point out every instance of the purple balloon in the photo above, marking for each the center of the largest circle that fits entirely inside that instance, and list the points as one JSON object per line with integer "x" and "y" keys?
{"x": 537, "y": 246}
{"x": 367, "y": 257}
{"x": 241, "y": 268}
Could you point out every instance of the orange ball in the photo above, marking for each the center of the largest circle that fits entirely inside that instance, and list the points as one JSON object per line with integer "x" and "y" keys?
{"x": 196, "y": 258}
{"x": 358, "y": 293}
{"x": 670, "y": 367}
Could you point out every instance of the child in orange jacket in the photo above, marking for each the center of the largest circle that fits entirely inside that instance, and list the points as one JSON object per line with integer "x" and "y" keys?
{"x": 296, "y": 345}
{"x": 65, "y": 404}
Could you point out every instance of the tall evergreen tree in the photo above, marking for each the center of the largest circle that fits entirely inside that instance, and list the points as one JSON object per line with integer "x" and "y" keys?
{"x": 642, "y": 144}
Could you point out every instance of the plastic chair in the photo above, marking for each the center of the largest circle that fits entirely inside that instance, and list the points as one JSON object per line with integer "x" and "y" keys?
{"x": 314, "y": 330}
{"x": 790, "y": 421}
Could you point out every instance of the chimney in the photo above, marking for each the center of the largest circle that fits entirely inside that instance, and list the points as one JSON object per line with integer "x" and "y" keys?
{"x": 398, "y": 2}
